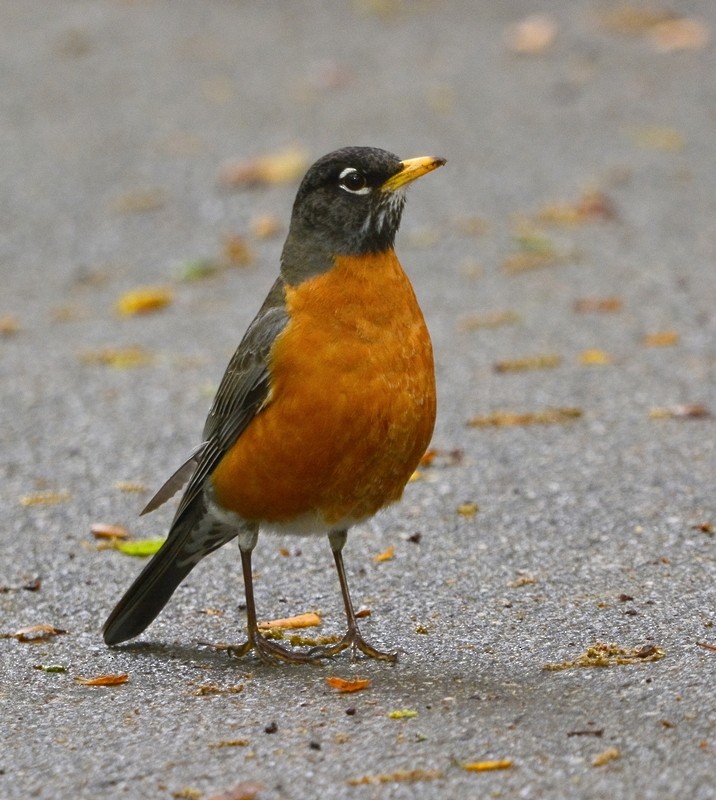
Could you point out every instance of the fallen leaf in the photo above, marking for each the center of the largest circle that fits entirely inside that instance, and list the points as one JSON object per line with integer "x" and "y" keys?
{"x": 103, "y": 680}
{"x": 681, "y": 33}
{"x": 681, "y": 411}
{"x": 266, "y": 226}
{"x": 707, "y": 646}
{"x": 592, "y": 205}
{"x": 523, "y": 579}
{"x": 633, "y": 21}
{"x": 467, "y": 509}
{"x": 144, "y": 300}
{"x": 45, "y": 498}
{"x": 667, "y": 338}
{"x": 35, "y": 633}
{"x": 141, "y": 548}
{"x": 118, "y": 357}
{"x": 187, "y": 793}
{"x": 101, "y": 530}
{"x": 400, "y": 776}
{"x": 704, "y": 527}
{"x": 532, "y": 35}
{"x": 130, "y": 486}
{"x": 230, "y": 743}
{"x": 598, "y": 305}
{"x": 494, "y": 319}
{"x": 610, "y": 655}
{"x": 236, "y": 251}
{"x": 548, "y": 416}
{"x": 199, "y": 270}
{"x": 487, "y": 766}
{"x": 610, "y": 754}
{"x": 594, "y": 358}
{"x": 284, "y": 166}
{"x": 308, "y": 620}
{"x": 386, "y": 555}
{"x": 139, "y": 201}
{"x": 55, "y": 668}
{"x": 347, "y": 686}
{"x": 208, "y": 689}
{"x": 9, "y": 325}
{"x": 404, "y": 713}
{"x": 547, "y": 361}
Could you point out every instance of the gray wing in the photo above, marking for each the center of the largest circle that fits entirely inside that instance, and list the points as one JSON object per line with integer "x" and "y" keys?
{"x": 243, "y": 390}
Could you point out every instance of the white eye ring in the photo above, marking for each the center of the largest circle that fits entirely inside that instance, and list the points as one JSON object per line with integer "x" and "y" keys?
{"x": 361, "y": 187}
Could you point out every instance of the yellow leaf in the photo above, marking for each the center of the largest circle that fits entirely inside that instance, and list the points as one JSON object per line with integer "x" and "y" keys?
{"x": 45, "y": 498}
{"x": 468, "y": 509}
{"x": 593, "y": 358}
{"x": 144, "y": 300}
{"x": 308, "y": 620}
{"x": 141, "y": 548}
{"x": 487, "y": 766}
{"x": 386, "y": 555}
{"x": 284, "y": 166}
{"x": 404, "y": 713}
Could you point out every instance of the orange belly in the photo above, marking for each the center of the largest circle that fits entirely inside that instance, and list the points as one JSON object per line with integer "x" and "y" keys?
{"x": 352, "y": 401}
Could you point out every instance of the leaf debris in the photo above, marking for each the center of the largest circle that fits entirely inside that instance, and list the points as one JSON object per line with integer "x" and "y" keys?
{"x": 308, "y": 620}
{"x": 104, "y": 680}
{"x": 283, "y": 166}
{"x": 143, "y": 300}
{"x": 347, "y": 686}
{"x": 48, "y": 498}
{"x": 610, "y": 754}
{"x": 601, "y": 654}
{"x": 487, "y": 766}
{"x": 399, "y": 776}
{"x": 546, "y": 361}
{"x": 34, "y": 633}
{"x": 547, "y": 416}
{"x": 386, "y": 555}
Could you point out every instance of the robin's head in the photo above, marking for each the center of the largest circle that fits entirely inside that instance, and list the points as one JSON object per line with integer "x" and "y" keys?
{"x": 349, "y": 203}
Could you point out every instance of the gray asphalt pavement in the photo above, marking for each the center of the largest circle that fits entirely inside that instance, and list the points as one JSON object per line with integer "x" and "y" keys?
{"x": 116, "y": 118}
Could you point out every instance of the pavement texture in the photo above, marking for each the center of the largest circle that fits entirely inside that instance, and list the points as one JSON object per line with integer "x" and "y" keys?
{"x": 574, "y": 222}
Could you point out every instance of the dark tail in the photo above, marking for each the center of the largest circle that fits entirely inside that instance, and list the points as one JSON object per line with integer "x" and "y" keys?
{"x": 192, "y": 536}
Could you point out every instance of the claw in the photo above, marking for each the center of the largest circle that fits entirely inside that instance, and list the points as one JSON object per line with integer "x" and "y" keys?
{"x": 272, "y": 653}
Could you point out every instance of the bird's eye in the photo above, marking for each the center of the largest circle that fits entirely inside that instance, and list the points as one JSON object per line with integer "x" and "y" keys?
{"x": 353, "y": 181}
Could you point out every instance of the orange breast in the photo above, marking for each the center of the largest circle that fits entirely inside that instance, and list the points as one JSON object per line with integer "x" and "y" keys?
{"x": 352, "y": 403}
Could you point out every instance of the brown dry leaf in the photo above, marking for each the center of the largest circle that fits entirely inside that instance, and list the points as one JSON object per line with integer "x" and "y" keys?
{"x": 598, "y": 305}
{"x": 522, "y": 579}
{"x": 706, "y": 646}
{"x": 139, "y": 201}
{"x": 246, "y": 790}
{"x": 682, "y": 411}
{"x": 610, "y": 754}
{"x": 386, "y": 555}
{"x": 236, "y": 251}
{"x": 9, "y": 325}
{"x": 118, "y": 357}
{"x": 101, "y": 530}
{"x": 610, "y": 655}
{"x": 666, "y": 139}
{"x": 187, "y": 793}
{"x": 532, "y": 35}
{"x": 487, "y": 766}
{"x": 104, "y": 680}
{"x": 504, "y": 419}
{"x": 308, "y": 620}
{"x": 683, "y": 33}
{"x": 661, "y": 339}
{"x": 144, "y": 300}
{"x": 230, "y": 743}
{"x": 36, "y": 633}
{"x": 492, "y": 319}
{"x": 284, "y": 166}
{"x": 400, "y": 776}
{"x": 592, "y": 205}
{"x": 348, "y": 686}
{"x": 547, "y": 361}
{"x": 266, "y": 226}
{"x": 594, "y": 358}
{"x": 45, "y": 498}
{"x": 467, "y": 509}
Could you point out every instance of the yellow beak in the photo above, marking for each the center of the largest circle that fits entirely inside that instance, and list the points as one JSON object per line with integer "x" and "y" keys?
{"x": 412, "y": 168}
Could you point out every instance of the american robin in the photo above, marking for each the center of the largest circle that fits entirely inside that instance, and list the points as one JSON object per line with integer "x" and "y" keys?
{"x": 325, "y": 408}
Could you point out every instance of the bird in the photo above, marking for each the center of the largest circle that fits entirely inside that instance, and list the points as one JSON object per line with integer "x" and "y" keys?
{"x": 325, "y": 408}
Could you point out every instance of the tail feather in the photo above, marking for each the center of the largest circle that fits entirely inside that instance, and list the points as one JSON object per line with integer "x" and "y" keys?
{"x": 192, "y": 537}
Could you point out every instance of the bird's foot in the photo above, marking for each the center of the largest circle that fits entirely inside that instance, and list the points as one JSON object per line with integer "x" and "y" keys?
{"x": 355, "y": 641}
{"x": 271, "y": 653}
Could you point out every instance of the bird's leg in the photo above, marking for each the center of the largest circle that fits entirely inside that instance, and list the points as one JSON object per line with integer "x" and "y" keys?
{"x": 268, "y": 651}
{"x": 353, "y": 638}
